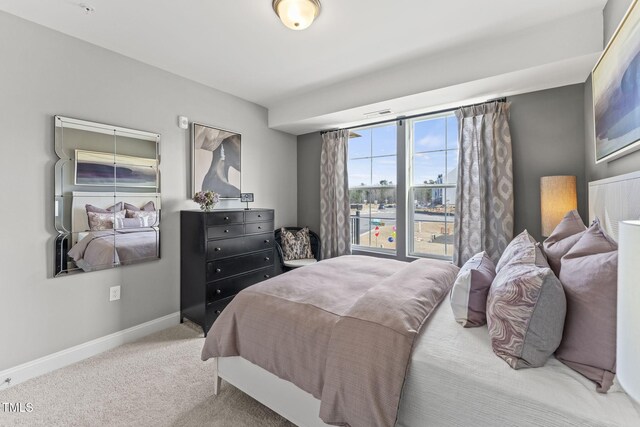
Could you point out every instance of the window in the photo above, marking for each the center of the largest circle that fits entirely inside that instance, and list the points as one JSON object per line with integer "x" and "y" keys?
{"x": 372, "y": 189}
{"x": 432, "y": 184}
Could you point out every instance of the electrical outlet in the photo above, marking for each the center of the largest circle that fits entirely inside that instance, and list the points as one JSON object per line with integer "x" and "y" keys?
{"x": 114, "y": 293}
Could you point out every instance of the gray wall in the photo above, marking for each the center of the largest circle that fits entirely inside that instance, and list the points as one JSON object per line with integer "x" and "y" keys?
{"x": 547, "y": 129}
{"x": 44, "y": 73}
{"x": 309, "y": 149}
{"x": 613, "y": 14}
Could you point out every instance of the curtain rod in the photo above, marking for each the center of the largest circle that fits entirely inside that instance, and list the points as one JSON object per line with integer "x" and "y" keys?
{"x": 415, "y": 116}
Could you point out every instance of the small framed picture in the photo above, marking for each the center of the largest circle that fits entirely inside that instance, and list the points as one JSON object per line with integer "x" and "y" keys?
{"x": 246, "y": 197}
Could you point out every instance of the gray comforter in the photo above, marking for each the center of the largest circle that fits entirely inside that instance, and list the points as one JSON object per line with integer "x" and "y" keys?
{"x": 342, "y": 330}
{"x": 106, "y": 248}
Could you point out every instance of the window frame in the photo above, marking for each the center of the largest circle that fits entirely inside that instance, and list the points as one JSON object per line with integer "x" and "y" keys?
{"x": 411, "y": 186}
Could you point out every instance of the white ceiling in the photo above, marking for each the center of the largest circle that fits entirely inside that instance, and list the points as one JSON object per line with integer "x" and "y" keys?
{"x": 239, "y": 46}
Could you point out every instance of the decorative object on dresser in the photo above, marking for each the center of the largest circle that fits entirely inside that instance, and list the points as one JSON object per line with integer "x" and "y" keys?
{"x": 206, "y": 199}
{"x": 215, "y": 162}
{"x": 557, "y": 197}
{"x": 615, "y": 98}
{"x": 246, "y": 198}
{"x": 221, "y": 253}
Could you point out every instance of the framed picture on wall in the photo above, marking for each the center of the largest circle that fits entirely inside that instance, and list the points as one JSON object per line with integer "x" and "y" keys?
{"x": 215, "y": 164}
{"x": 616, "y": 91}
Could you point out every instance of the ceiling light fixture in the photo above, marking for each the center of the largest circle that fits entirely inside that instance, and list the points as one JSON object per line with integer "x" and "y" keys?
{"x": 297, "y": 14}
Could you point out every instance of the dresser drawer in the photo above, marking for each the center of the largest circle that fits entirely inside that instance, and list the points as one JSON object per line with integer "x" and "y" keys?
{"x": 223, "y": 248}
{"x": 215, "y": 308}
{"x": 223, "y": 268}
{"x": 258, "y": 227}
{"x": 226, "y": 288}
{"x": 225, "y": 231}
{"x": 258, "y": 242}
{"x": 221, "y": 218}
{"x": 255, "y": 216}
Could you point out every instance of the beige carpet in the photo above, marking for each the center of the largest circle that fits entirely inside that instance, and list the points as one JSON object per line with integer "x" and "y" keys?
{"x": 157, "y": 381}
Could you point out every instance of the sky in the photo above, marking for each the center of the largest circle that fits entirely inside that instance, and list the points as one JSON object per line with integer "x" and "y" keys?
{"x": 435, "y": 151}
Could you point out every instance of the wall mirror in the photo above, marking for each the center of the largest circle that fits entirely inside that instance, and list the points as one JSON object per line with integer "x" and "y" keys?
{"x": 107, "y": 196}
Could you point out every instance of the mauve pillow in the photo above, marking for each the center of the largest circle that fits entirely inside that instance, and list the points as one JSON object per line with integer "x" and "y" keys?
{"x": 115, "y": 208}
{"x": 564, "y": 236}
{"x": 149, "y": 206}
{"x": 523, "y": 249}
{"x": 526, "y": 310}
{"x": 469, "y": 292}
{"x": 589, "y": 274}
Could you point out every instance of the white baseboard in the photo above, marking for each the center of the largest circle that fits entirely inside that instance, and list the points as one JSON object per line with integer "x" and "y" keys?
{"x": 83, "y": 351}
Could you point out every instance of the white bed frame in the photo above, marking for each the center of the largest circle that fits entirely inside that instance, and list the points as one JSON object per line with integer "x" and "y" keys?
{"x": 609, "y": 199}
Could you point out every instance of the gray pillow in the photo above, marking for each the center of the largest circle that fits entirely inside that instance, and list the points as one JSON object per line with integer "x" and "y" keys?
{"x": 469, "y": 292}
{"x": 526, "y": 309}
{"x": 589, "y": 274}
{"x": 564, "y": 236}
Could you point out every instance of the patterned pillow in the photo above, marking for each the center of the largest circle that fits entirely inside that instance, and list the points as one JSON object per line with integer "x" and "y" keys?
{"x": 526, "y": 309}
{"x": 469, "y": 292}
{"x": 295, "y": 244}
{"x": 99, "y": 221}
{"x": 148, "y": 218}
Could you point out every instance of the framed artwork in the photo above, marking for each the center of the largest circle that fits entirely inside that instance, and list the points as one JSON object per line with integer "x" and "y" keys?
{"x": 215, "y": 164}
{"x": 246, "y": 197}
{"x": 616, "y": 91}
{"x": 109, "y": 169}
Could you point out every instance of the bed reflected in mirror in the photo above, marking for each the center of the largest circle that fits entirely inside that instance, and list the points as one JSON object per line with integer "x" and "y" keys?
{"x": 107, "y": 196}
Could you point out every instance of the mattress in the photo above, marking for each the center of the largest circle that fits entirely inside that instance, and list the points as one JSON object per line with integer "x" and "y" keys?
{"x": 455, "y": 380}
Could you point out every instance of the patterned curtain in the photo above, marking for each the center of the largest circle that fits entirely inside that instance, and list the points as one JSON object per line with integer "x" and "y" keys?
{"x": 334, "y": 195}
{"x": 484, "y": 195}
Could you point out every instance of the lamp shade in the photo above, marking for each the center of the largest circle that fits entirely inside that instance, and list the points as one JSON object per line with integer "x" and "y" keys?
{"x": 297, "y": 14}
{"x": 628, "y": 333}
{"x": 557, "y": 197}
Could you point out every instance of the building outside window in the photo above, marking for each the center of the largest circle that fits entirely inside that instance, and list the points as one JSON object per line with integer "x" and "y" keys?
{"x": 430, "y": 174}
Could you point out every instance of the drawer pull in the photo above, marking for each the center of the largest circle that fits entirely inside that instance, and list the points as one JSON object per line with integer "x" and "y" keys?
{"x": 226, "y": 218}
{"x": 259, "y": 216}
{"x": 218, "y": 270}
{"x": 226, "y": 231}
{"x": 266, "y": 276}
{"x": 267, "y": 241}
{"x": 218, "y": 291}
{"x": 259, "y": 228}
{"x": 218, "y": 249}
{"x": 266, "y": 258}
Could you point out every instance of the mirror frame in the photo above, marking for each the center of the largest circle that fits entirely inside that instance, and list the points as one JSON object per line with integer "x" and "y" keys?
{"x": 61, "y": 247}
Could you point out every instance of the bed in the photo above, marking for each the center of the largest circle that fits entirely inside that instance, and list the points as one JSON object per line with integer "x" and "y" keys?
{"x": 453, "y": 376}
{"x": 93, "y": 250}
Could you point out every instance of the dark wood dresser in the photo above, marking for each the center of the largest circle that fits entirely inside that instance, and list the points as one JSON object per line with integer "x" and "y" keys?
{"x": 221, "y": 253}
